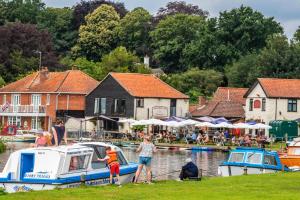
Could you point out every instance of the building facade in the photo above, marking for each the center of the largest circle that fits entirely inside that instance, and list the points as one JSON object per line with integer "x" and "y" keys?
{"x": 136, "y": 96}
{"x": 273, "y": 99}
{"x": 35, "y": 101}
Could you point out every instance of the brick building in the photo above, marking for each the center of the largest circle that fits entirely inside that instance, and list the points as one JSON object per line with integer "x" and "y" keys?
{"x": 35, "y": 101}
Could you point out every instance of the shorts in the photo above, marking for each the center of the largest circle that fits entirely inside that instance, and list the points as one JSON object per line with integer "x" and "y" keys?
{"x": 114, "y": 168}
{"x": 145, "y": 161}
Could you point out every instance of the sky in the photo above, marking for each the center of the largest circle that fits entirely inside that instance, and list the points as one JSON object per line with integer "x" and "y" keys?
{"x": 287, "y": 12}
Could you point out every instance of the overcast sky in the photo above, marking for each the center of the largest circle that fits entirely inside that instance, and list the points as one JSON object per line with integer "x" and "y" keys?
{"x": 287, "y": 12}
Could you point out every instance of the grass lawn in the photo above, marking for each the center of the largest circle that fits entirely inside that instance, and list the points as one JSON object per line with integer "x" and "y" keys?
{"x": 283, "y": 186}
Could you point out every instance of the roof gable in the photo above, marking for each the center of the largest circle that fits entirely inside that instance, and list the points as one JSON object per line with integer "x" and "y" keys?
{"x": 147, "y": 86}
{"x": 230, "y": 94}
{"x": 72, "y": 81}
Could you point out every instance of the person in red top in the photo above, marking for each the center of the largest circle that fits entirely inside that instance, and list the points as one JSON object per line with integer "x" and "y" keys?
{"x": 112, "y": 161}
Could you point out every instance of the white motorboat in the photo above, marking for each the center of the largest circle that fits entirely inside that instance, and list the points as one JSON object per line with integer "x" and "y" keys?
{"x": 47, "y": 168}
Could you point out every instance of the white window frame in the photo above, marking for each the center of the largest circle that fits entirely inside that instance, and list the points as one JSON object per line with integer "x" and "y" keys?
{"x": 96, "y": 105}
{"x": 103, "y": 105}
{"x": 35, "y": 125}
{"x": 16, "y": 104}
{"x": 14, "y": 120}
{"x": 36, "y": 98}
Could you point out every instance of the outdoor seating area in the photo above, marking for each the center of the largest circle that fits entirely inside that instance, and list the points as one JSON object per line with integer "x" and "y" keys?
{"x": 218, "y": 131}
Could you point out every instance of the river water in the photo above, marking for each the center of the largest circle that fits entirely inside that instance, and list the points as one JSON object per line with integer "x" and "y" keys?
{"x": 165, "y": 164}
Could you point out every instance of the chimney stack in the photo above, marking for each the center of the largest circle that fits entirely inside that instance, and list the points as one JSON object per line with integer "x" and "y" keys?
{"x": 147, "y": 61}
{"x": 202, "y": 101}
{"x": 44, "y": 74}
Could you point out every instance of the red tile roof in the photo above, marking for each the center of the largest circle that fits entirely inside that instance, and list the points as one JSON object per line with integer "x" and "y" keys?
{"x": 226, "y": 102}
{"x": 230, "y": 94}
{"x": 227, "y": 109}
{"x": 72, "y": 81}
{"x": 283, "y": 88}
{"x": 146, "y": 85}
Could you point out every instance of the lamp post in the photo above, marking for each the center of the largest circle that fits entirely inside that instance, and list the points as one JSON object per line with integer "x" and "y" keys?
{"x": 40, "y": 63}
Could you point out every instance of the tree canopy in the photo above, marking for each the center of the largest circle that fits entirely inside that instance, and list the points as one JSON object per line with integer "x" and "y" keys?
{"x": 98, "y": 37}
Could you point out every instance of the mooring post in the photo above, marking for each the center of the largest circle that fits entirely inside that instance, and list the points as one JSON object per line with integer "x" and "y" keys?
{"x": 245, "y": 170}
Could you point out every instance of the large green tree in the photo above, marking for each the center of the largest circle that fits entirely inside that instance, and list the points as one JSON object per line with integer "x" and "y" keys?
{"x": 25, "y": 11}
{"x": 58, "y": 21}
{"x": 134, "y": 31}
{"x": 18, "y": 46}
{"x": 195, "y": 82}
{"x": 98, "y": 36}
{"x": 172, "y": 35}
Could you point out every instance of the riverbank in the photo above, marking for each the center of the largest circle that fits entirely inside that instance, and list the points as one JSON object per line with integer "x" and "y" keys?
{"x": 280, "y": 186}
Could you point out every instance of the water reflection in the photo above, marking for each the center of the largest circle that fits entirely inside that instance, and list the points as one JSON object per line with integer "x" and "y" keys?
{"x": 165, "y": 164}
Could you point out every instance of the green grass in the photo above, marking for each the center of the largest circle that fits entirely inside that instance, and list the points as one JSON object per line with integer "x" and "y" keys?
{"x": 285, "y": 186}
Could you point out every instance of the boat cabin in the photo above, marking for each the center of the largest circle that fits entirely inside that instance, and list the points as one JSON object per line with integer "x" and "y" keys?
{"x": 61, "y": 165}
{"x": 254, "y": 157}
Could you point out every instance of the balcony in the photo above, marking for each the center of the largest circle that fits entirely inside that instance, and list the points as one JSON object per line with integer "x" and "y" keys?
{"x": 23, "y": 110}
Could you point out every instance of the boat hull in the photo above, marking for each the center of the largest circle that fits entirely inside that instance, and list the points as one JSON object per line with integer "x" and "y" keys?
{"x": 227, "y": 170}
{"x": 290, "y": 161}
{"x": 12, "y": 187}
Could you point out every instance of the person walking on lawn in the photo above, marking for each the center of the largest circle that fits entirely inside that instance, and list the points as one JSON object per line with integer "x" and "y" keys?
{"x": 112, "y": 161}
{"x": 146, "y": 150}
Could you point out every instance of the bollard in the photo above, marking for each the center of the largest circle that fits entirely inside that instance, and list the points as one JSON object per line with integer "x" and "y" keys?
{"x": 245, "y": 170}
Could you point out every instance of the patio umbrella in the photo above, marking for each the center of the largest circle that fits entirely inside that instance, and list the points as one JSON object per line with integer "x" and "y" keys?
{"x": 261, "y": 126}
{"x": 173, "y": 124}
{"x": 189, "y": 122}
{"x": 224, "y": 125}
{"x": 204, "y": 124}
{"x": 127, "y": 121}
{"x": 242, "y": 125}
{"x": 206, "y": 119}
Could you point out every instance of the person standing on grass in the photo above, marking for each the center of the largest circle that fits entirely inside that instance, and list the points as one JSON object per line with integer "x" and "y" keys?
{"x": 59, "y": 132}
{"x": 146, "y": 150}
{"x": 112, "y": 161}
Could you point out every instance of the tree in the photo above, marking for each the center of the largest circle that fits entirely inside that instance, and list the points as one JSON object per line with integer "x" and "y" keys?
{"x": 25, "y": 11}
{"x": 120, "y": 60}
{"x": 196, "y": 82}
{"x": 171, "y": 36}
{"x": 97, "y": 37}
{"x": 84, "y": 8}
{"x": 134, "y": 31}
{"x": 58, "y": 21}
{"x": 179, "y": 7}
{"x": 2, "y": 82}
{"x": 243, "y": 72}
{"x": 18, "y": 44}
{"x": 245, "y": 29}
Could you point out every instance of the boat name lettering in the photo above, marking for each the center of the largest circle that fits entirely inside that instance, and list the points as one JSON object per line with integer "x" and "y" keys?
{"x": 37, "y": 176}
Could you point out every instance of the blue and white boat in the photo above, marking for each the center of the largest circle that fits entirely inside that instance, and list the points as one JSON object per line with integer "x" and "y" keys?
{"x": 244, "y": 160}
{"x": 47, "y": 168}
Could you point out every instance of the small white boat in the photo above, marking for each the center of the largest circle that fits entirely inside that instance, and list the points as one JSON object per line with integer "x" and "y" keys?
{"x": 245, "y": 160}
{"x": 47, "y": 168}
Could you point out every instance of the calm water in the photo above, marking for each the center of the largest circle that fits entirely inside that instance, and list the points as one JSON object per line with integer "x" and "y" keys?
{"x": 165, "y": 163}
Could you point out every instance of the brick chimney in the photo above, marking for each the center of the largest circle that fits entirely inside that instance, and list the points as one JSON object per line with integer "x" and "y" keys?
{"x": 202, "y": 101}
{"x": 44, "y": 74}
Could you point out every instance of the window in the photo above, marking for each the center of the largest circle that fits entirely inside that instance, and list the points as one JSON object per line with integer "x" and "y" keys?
{"x": 119, "y": 106}
{"x": 48, "y": 99}
{"x": 14, "y": 121}
{"x": 263, "y": 104}
{"x": 236, "y": 157}
{"x": 251, "y": 105}
{"x": 35, "y": 123}
{"x": 96, "y": 105}
{"x": 292, "y": 105}
{"x": 254, "y": 158}
{"x": 270, "y": 160}
{"x": 36, "y": 102}
{"x": 4, "y": 99}
{"x": 140, "y": 103}
{"x": 79, "y": 162}
{"x": 173, "y": 107}
{"x": 103, "y": 106}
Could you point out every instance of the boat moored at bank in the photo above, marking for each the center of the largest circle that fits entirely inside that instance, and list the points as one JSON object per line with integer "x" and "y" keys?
{"x": 244, "y": 160}
{"x": 62, "y": 167}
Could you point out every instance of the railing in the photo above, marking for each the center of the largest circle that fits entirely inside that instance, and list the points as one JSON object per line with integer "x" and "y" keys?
{"x": 22, "y": 109}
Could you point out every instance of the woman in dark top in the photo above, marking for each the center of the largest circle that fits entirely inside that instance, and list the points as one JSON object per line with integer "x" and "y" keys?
{"x": 59, "y": 133}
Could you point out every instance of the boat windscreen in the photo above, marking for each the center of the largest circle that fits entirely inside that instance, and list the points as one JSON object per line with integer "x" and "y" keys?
{"x": 254, "y": 158}
{"x": 270, "y": 160}
{"x": 236, "y": 157}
